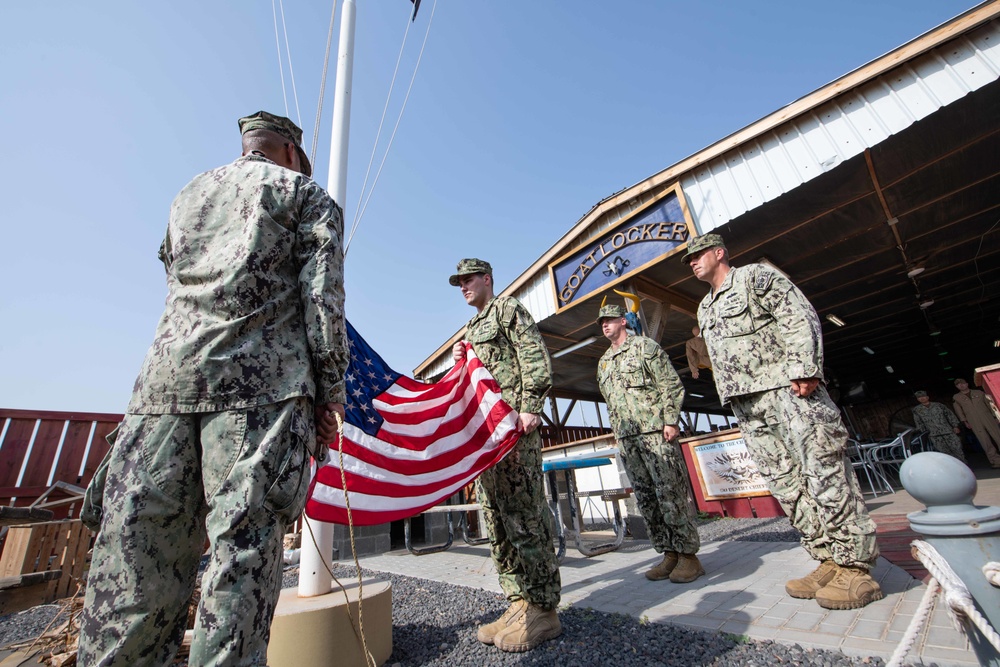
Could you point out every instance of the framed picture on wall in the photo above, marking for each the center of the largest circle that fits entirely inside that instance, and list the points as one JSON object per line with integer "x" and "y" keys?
{"x": 725, "y": 469}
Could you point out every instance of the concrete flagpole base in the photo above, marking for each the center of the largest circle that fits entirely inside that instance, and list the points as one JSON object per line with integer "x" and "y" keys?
{"x": 316, "y": 631}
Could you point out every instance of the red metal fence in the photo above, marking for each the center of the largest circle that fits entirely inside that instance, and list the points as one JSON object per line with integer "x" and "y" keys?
{"x": 40, "y": 448}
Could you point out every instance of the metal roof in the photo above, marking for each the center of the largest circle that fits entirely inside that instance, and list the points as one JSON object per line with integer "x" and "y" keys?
{"x": 776, "y": 162}
{"x": 889, "y": 168}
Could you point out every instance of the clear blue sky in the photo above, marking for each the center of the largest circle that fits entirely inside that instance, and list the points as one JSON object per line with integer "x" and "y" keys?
{"x": 523, "y": 115}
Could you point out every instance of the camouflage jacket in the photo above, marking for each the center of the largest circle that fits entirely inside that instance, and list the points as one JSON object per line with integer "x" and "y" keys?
{"x": 507, "y": 341}
{"x": 640, "y": 386}
{"x": 761, "y": 332}
{"x": 255, "y": 294}
{"x": 935, "y": 418}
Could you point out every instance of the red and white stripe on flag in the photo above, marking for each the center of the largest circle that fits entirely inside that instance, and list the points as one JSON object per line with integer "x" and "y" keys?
{"x": 433, "y": 440}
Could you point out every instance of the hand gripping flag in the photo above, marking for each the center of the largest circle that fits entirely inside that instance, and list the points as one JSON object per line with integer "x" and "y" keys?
{"x": 408, "y": 445}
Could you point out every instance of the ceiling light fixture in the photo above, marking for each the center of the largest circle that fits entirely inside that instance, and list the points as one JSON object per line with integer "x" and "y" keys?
{"x": 697, "y": 395}
{"x": 835, "y": 320}
{"x": 935, "y": 331}
{"x": 888, "y": 368}
{"x": 927, "y": 303}
{"x": 868, "y": 350}
{"x": 573, "y": 348}
{"x": 941, "y": 353}
{"x": 902, "y": 382}
{"x": 914, "y": 272}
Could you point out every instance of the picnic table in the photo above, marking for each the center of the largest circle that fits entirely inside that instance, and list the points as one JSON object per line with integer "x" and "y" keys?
{"x": 568, "y": 467}
{"x": 462, "y": 508}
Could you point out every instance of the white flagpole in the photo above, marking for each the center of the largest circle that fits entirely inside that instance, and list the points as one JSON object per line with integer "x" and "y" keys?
{"x": 314, "y": 579}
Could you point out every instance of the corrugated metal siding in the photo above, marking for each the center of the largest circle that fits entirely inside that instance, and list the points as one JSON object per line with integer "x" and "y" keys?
{"x": 439, "y": 367}
{"x": 813, "y": 143}
{"x": 538, "y": 297}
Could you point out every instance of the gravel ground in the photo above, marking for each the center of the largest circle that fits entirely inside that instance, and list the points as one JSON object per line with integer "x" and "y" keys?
{"x": 776, "y": 529}
{"x": 435, "y": 624}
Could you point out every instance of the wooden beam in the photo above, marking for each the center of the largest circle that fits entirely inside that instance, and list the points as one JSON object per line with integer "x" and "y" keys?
{"x": 672, "y": 300}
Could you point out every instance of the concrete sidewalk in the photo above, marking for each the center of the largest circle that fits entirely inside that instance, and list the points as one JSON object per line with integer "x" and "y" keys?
{"x": 742, "y": 592}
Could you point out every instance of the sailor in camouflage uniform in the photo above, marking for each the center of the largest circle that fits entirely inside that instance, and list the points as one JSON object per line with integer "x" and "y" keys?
{"x": 216, "y": 441}
{"x": 644, "y": 396}
{"x": 941, "y": 423}
{"x": 766, "y": 345}
{"x": 505, "y": 338}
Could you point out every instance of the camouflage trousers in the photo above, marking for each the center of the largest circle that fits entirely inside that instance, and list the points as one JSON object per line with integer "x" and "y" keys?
{"x": 659, "y": 480}
{"x": 235, "y": 478}
{"x": 799, "y": 446}
{"x": 949, "y": 443}
{"x": 519, "y": 525}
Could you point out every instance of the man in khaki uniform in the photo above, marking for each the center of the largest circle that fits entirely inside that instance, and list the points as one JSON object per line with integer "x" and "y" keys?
{"x": 507, "y": 341}
{"x": 972, "y": 408}
{"x": 644, "y": 397}
{"x": 766, "y": 345}
{"x": 697, "y": 353}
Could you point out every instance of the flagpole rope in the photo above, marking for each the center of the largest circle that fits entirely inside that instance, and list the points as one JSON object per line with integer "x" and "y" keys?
{"x": 360, "y": 214}
{"x": 381, "y": 122}
{"x": 322, "y": 85}
{"x": 359, "y": 629}
{"x": 350, "y": 528}
{"x": 277, "y": 44}
{"x": 288, "y": 52}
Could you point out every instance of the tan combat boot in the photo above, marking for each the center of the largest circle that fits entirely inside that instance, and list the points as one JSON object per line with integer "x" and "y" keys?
{"x": 806, "y": 587}
{"x": 687, "y": 570}
{"x": 487, "y": 633}
{"x": 663, "y": 569}
{"x": 528, "y": 630}
{"x": 850, "y": 588}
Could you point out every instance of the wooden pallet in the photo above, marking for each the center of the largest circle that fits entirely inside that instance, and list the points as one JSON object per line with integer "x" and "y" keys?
{"x": 44, "y": 547}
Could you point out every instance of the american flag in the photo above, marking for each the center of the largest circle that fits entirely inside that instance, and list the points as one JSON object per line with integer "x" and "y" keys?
{"x": 408, "y": 445}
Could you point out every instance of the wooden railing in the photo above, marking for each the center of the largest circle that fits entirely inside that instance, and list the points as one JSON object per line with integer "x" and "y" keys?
{"x": 552, "y": 437}
{"x": 39, "y": 448}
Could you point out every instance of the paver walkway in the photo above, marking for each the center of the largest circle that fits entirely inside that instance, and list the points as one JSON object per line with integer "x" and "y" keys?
{"x": 743, "y": 590}
{"x": 742, "y": 593}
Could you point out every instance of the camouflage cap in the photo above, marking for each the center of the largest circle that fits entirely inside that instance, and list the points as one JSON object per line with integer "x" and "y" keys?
{"x": 263, "y": 120}
{"x": 919, "y": 393}
{"x": 699, "y": 243}
{"x": 469, "y": 266}
{"x": 612, "y": 311}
